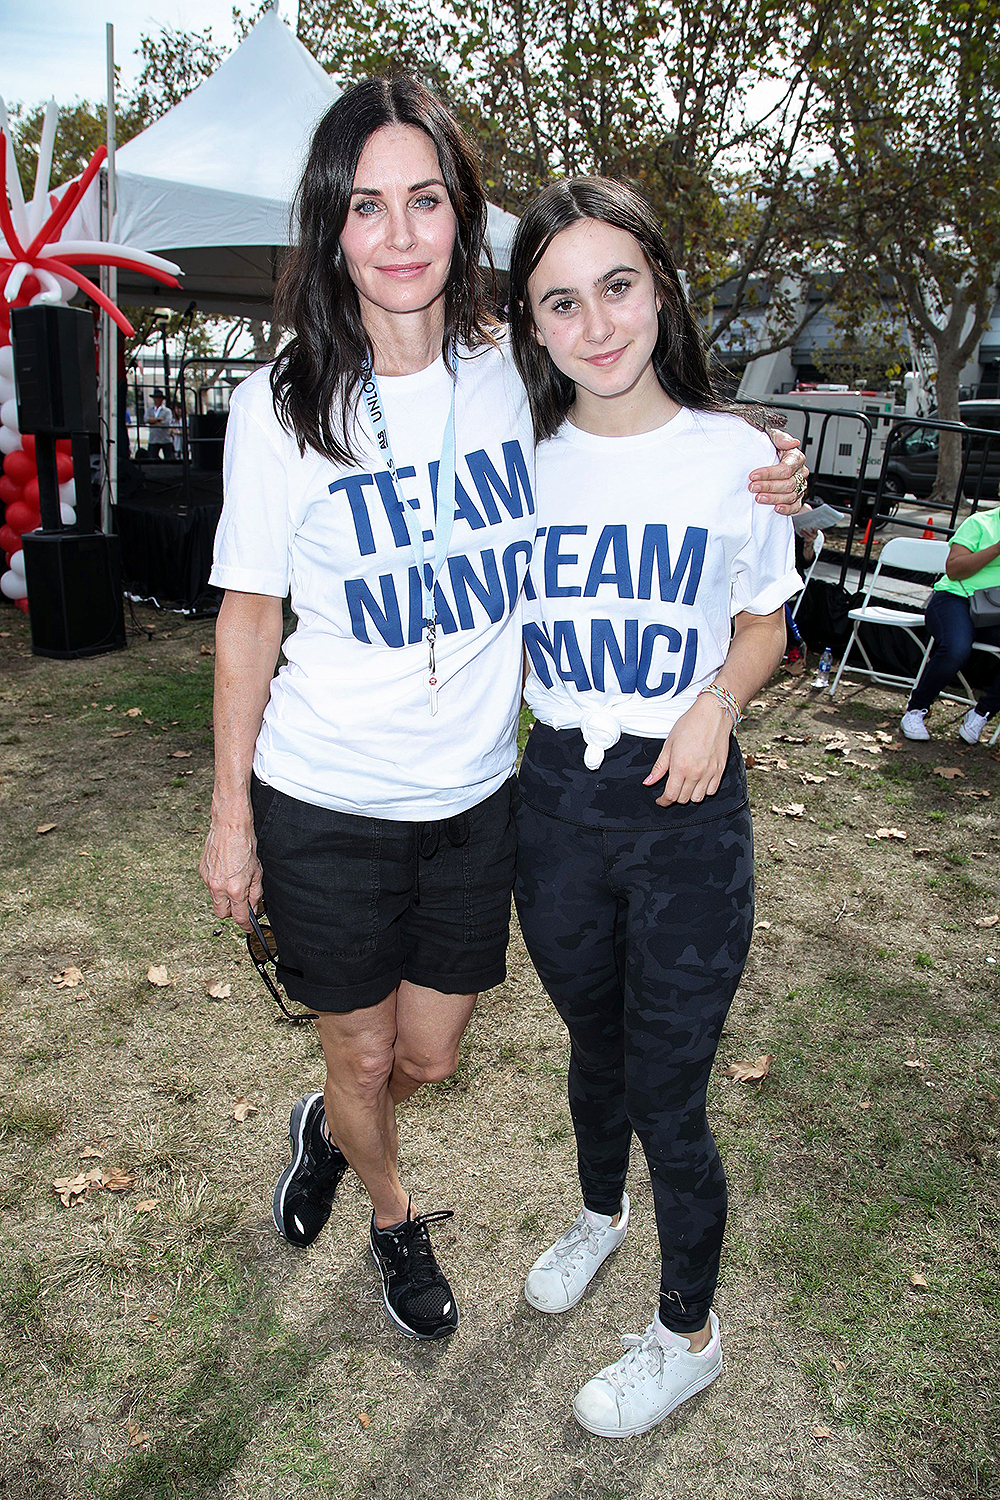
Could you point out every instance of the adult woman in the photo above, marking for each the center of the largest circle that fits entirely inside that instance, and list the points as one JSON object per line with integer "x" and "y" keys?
{"x": 382, "y": 753}
{"x": 973, "y": 563}
{"x": 658, "y": 611}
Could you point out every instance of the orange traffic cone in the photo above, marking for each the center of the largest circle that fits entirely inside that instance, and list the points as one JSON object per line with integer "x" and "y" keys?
{"x": 868, "y": 532}
{"x": 928, "y": 532}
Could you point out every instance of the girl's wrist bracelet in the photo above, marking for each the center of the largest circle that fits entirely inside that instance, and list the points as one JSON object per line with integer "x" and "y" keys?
{"x": 726, "y": 698}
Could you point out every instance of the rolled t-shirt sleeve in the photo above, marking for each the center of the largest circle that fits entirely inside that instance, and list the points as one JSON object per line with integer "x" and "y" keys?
{"x": 252, "y": 543}
{"x": 764, "y": 573}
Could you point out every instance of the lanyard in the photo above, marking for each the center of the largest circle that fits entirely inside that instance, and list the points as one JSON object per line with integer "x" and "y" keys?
{"x": 444, "y": 519}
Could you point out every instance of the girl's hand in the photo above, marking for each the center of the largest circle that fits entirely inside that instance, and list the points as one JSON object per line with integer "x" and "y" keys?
{"x": 783, "y": 485}
{"x": 694, "y": 753}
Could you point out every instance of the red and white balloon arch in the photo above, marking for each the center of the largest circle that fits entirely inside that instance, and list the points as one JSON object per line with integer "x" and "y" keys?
{"x": 38, "y": 266}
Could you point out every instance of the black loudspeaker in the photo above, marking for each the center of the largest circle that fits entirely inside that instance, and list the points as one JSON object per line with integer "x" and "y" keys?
{"x": 74, "y": 592}
{"x": 55, "y": 383}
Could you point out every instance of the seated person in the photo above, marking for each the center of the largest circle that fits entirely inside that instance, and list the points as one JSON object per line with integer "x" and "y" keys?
{"x": 973, "y": 563}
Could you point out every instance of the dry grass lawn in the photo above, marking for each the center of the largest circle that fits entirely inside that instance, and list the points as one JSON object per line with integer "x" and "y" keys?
{"x": 162, "y": 1341}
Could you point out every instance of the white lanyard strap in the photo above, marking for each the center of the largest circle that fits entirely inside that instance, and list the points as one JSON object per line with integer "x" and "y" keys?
{"x": 444, "y": 517}
{"x": 445, "y": 493}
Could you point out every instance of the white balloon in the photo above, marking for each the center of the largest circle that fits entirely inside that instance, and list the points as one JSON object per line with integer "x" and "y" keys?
{"x": 9, "y": 441}
{"x": 6, "y": 389}
{"x": 68, "y": 515}
{"x": 17, "y": 564}
{"x": 7, "y": 362}
{"x": 13, "y": 586}
{"x": 67, "y": 493}
{"x": 8, "y": 415}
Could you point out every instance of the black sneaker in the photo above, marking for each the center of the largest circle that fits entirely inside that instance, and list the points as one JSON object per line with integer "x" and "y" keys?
{"x": 307, "y": 1187}
{"x": 418, "y": 1299}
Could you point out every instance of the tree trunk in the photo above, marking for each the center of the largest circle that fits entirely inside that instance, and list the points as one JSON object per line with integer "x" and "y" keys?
{"x": 950, "y": 443}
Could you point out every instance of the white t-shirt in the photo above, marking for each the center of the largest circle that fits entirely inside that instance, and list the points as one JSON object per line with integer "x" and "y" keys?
{"x": 647, "y": 547}
{"x": 348, "y": 724}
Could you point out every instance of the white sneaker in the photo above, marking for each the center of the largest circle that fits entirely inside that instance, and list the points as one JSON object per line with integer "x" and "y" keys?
{"x": 912, "y": 724}
{"x": 652, "y": 1378}
{"x": 972, "y": 727}
{"x": 563, "y": 1272}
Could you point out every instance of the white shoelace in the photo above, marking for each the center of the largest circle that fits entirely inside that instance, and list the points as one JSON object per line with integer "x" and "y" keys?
{"x": 645, "y": 1355}
{"x": 569, "y": 1247}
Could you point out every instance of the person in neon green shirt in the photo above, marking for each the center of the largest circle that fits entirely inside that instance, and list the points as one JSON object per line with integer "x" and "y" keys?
{"x": 973, "y": 563}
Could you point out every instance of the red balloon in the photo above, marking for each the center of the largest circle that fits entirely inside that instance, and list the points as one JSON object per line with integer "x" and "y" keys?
{"x": 21, "y": 517}
{"x": 9, "y": 539}
{"x": 64, "y": 467}
{"x": 10, "y": 493}
{"x": 64, "y": 445}
{"x": 31, "y": 495}
{"x": 18, "y": 467}
{"x": 22, "y": 605}
{"x": 30, "y": 287}
{"x": 28, "y": 444}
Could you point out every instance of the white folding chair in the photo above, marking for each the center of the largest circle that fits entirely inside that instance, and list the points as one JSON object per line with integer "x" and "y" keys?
{"x": 817, "y": 549}
{"x": 915, "y": 556}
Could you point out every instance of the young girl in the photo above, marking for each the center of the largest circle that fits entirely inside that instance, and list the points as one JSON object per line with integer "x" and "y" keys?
{"x": 657, "y": 613}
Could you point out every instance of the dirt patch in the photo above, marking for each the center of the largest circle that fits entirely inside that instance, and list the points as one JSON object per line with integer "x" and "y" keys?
{"x": 162, "y": 1340}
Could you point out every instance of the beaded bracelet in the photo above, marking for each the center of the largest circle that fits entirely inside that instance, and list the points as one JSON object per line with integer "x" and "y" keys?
{"x": 726, "y": 698}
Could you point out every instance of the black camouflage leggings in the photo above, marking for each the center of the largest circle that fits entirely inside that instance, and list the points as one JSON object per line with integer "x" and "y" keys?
{"x": 640, "y": 937}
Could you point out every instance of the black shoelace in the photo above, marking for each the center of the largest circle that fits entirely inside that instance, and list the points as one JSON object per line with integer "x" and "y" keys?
{"x": 414, "y": 1243}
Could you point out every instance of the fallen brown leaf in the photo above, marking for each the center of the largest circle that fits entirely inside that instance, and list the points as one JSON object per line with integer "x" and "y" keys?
{"x": 766, "y": 926}
{"x": 808, "y": 779}
{"x": 948, "y": 772}
{"x": 136, "y": 1438}
{"x": 46, "y": 827}
{"x": 988, "y": 921}
{"x": 916, "y": 1279}
{"x": 750, "y": 1072}
{"x": 865, "y": 1104}
{"x": 889, "y": 833}
{"x": 90, "y": 1153}
{"x": 180, "y": 755}
{"x": 204, "y": 650}
{"x": 839, "y": 1365}
{"x": 822, "y": 1432}
{"x": 915, "y": 1063}
{"x": 242, "y": 1108}
{"x": 116, "y": 1180}
{"x": 132, "y": 713}
{"x": 917, "y": 852}
{"x": 218, "y": 990}
{"x": 364, "y": 1420}
{"x": 146, "y": 1205}
{"x": 157, "y": 975}
{"x": 794, "y": 739}
{"x": 793, "y": 810}
{"x": 152, "y": 1318}
{"x": 68, "y": 978}
{"x": 71, "y": 1190}
{"x": 119, "y": 734}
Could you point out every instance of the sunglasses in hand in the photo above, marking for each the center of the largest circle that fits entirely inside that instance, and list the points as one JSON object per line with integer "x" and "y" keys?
{"x": 263, "y": 950}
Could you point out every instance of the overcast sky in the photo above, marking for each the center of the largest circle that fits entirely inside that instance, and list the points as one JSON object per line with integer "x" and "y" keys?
{"x": 57, "y": 47}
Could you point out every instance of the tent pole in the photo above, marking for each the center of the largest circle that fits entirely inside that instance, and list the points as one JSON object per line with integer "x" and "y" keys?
{"x": 109, "y": 329}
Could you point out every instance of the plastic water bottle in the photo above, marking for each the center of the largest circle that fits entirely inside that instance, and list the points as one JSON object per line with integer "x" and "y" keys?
{"x": 823, "y": 668}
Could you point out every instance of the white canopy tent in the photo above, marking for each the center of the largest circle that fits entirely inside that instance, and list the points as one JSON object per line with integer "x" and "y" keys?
{"x": 210, "y": 184}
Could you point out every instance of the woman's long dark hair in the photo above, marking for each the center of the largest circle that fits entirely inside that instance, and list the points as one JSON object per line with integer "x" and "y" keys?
{"x": 679, "y": 355}
{"x": 316, "y": 377}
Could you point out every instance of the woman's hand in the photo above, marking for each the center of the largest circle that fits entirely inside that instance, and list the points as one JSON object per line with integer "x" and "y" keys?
{"x": 694, "y": 753}
{"x": 230, "y": 867}
{"x": 783, "y": 485}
